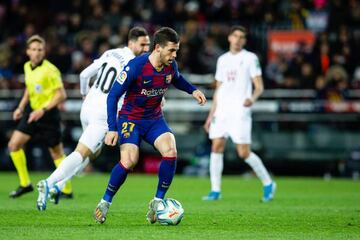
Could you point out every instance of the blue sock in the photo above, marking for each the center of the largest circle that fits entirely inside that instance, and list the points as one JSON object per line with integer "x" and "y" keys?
{"x": 166, "y": 174}
{"x": 117, "y": 178}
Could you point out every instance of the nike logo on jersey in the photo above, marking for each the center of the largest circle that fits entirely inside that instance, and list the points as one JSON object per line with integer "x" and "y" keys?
{"x": 147, "y": 81}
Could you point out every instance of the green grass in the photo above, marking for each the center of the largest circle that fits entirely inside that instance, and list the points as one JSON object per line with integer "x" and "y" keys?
{"x": 304, "y": 208}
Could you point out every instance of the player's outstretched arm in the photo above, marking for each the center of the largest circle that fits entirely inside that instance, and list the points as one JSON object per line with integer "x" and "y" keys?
{"x": 199, "y": 96}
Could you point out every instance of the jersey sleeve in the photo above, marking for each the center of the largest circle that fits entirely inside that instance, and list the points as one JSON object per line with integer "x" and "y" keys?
{"x": 255, "y": 68}
{"x": 219, "y": 74}
{"x": 89, "y": 72}
{"x": 180, "y": 82}
{"x": 121, "y": 85}
{"x": 55, "y": 78}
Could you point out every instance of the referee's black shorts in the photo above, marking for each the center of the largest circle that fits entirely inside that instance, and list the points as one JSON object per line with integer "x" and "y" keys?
{"x": 47, "y": 129}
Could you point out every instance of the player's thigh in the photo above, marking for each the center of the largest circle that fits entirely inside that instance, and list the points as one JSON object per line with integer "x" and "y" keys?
{"x": 56, "y": 151}
{"x": 240, "y": 131}
{"x": 17, "y": 140}
{"x": 92, "y": 139}
{"x": 48, "y": 129}
{"x": 157, "y": 128}
{"x": 217, "y": 128}
{"x": 166, "y": 144}
{"x": 129, "y": 155}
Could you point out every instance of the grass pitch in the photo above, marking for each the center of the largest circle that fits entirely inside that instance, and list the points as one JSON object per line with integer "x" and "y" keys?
{"x": 304, "y": 208}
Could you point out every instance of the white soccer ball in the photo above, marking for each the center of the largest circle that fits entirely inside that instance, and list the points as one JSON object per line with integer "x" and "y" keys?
{"x": 169, "y": 212}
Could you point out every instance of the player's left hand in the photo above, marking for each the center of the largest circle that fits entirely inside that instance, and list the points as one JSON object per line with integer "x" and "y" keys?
{"x": 36, "y": 115}
{"x": 248, "y": 102}
{"x": 199, "y": 96}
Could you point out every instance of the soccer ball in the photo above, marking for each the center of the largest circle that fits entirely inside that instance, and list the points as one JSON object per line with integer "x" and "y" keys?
{"x": 169, "y": 212}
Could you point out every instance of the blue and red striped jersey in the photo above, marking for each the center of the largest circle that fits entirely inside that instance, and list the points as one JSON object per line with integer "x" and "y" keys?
{"x": 145, "y": 87}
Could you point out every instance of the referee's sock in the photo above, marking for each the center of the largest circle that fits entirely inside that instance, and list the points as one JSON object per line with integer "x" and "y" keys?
{"x": 19, "y": 159}
{"x": 68, "y": 187}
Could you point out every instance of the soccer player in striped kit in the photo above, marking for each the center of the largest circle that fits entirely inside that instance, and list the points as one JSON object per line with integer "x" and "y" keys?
{"x": 145, "y": 80}
{"x": 93, "y": 113}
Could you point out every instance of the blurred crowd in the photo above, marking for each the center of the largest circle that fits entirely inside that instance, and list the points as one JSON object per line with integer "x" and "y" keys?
{"x": 78, "y": 31}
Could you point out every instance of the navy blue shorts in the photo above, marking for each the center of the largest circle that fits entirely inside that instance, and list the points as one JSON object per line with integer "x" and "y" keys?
{"x": 133, "y": 131}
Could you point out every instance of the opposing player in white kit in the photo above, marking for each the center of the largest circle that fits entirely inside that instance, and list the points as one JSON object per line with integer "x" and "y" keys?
{"x": 93, "y": 113}
{"x": 230, "y": 114}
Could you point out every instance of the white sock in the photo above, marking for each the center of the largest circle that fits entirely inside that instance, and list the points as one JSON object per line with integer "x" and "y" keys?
{"x": 102, "y": 201}
{"x": 65, "y": 169}
{"x": 256, "y": 164}
{"x": 61, "y": 184}
{"x": 216, "y": 168}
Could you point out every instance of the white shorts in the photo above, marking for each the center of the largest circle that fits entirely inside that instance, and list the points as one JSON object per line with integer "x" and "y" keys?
{"x": 235, "y": 127}
{"x": 94, "y": 129}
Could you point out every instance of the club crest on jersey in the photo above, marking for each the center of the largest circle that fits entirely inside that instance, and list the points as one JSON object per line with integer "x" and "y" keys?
{"x": 168, "y": 78}
{"x": 122, "y": 77}
{"x": 38, "y": 88}
{"x": 126, "y": 135}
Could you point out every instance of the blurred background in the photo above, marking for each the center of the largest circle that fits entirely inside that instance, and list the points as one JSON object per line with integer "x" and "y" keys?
{"x": 306, "y": 122}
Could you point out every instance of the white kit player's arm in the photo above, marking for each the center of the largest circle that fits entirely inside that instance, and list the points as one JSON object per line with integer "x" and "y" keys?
{"x": 259, "y": 89}
{"x": 219, "y": 77}
{"x": 213, "y": 107}
{"x": 255, "y": 73}
{"x": 86, "y": 75}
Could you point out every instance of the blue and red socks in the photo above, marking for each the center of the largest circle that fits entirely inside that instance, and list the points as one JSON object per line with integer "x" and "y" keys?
{"x": 166, "y": 174}
{"x": 117, "y": 178}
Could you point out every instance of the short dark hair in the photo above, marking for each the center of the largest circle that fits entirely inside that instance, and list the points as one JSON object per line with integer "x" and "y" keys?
{"x": 238, "y": 28}
{"x": 165, "y": 35}
{"x": 137, "y": 32}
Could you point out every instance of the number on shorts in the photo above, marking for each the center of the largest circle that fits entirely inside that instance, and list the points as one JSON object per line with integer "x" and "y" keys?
{"x": 127, "y": 127}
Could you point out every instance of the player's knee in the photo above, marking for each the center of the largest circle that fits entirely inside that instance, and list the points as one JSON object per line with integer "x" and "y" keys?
{"x": 170, "y": 152}
{"x": 243, "y": 154}
{"x": 217, "y": 148}
{"x": 128, "y": 164}
{"x": 56, "y": 154}
{"x": 13, "y": 146}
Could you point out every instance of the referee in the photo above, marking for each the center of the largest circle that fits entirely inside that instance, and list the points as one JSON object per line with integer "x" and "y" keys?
{"x": 37, "y": 113}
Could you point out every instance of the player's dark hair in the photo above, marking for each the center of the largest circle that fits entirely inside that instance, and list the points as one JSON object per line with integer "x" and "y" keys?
{"x": 35, "y": 38}
{"x": 165, "y": 35}
{"x": 137, "y": 32}
{"x": 238, "y": 28}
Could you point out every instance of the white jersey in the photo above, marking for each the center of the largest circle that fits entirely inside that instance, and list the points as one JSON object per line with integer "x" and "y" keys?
{"x": 107, "y": 68}
{"x": 231, "y": 118}
{"x": 235, "y": 72}
{"x": 94, "y": 110}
